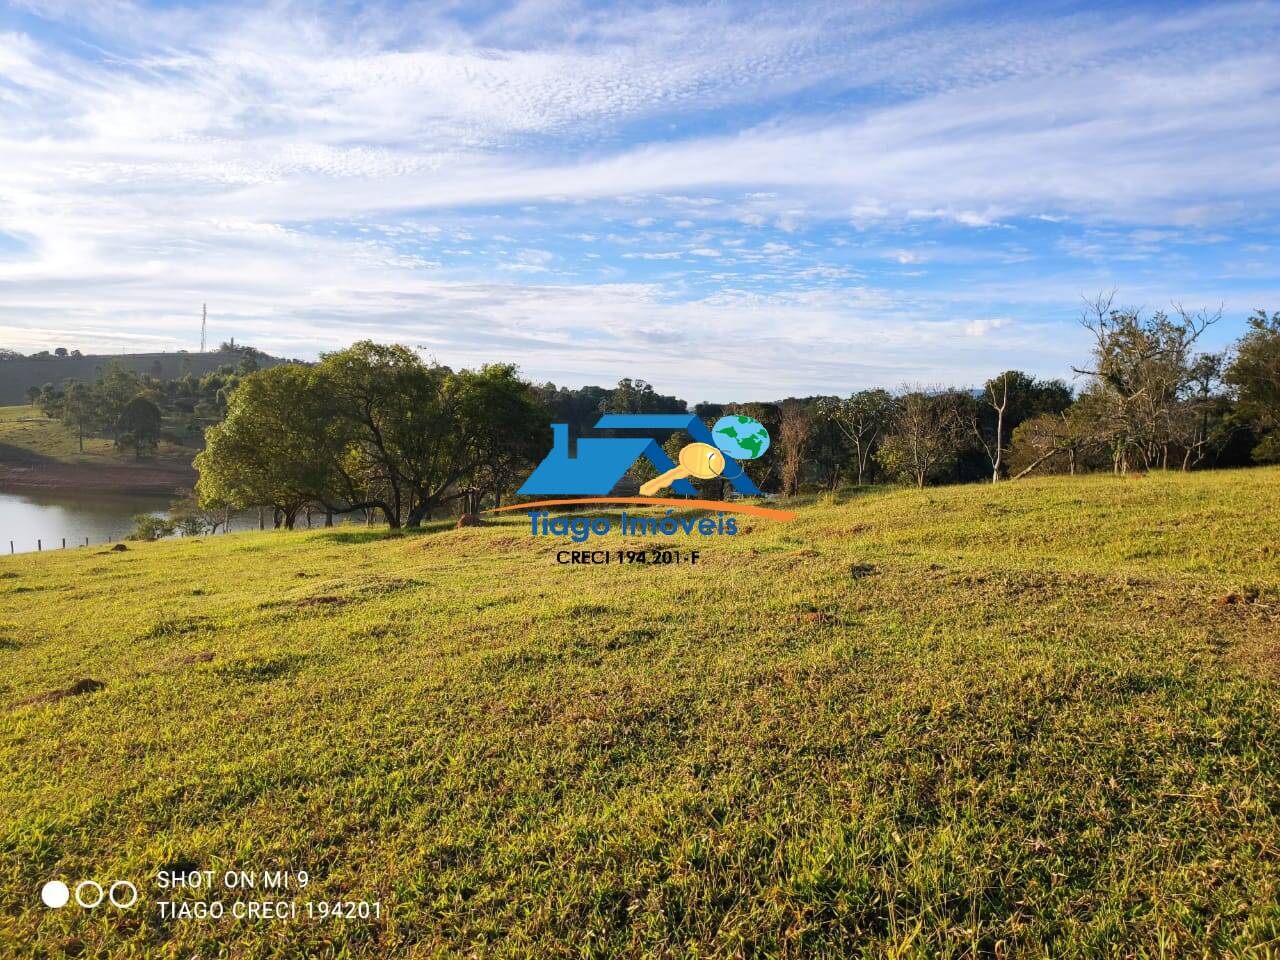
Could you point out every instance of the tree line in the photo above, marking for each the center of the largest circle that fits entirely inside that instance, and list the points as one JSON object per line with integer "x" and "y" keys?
{"x": 1149, "y": 400}
{"x": 375, "y": 429}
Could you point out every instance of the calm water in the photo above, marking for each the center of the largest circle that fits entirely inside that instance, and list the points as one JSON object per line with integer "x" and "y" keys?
{"x": 32, "y": 515}
{"x": 29, "y": 515}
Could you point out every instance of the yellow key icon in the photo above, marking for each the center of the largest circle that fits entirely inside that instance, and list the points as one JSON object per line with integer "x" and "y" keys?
{"x": 700, "y": 460}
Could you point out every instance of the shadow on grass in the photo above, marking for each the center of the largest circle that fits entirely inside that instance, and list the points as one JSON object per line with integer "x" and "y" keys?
{"x": 21, "y": 456}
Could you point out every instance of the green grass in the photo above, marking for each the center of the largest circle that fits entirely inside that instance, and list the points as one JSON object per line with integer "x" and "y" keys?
{"x": 1005, "y": 722}
{"x": 25, "y": 433}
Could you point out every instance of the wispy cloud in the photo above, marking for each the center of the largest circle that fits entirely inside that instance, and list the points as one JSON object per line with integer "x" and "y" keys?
{"x": 752, "y": 172}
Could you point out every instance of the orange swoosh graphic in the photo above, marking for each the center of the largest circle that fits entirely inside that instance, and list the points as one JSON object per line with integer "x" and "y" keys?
{"x": 658, "y": 501}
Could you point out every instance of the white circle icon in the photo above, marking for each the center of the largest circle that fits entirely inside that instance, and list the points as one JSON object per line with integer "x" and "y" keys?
{"x": 132, "y": 893}
{"x": 55, "y": 894}
{"x": 81, "y": 887}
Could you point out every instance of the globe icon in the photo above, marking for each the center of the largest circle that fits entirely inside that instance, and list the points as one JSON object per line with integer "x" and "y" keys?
{"x": 741, "y": 437}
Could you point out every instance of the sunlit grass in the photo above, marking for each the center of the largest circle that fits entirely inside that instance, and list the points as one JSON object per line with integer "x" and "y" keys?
{"x": 25, "y": 431}
{"x": 1020, "y": 721}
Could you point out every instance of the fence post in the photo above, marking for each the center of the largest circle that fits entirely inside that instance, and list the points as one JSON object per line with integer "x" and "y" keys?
{"x": 39, "y": 546}
{"x": 64, "y": 543}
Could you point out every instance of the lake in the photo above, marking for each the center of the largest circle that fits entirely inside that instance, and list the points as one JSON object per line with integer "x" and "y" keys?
{"x": 32, "y": 515}
{"x": 28, "y": 516}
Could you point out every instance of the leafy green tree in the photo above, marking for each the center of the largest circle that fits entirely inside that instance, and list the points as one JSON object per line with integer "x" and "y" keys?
{"x": 371, "y": 427}
{"x": 507, "y": 426}
{"x": 80, "y": 410}
{"x": 138, "y": 427}
{"x": 862, "y": 418}
{"x": 1254, "y": 373}
{"x": 147, "y": 527}
{"x": 393, "y": 434}
{"x": 263, "y": 453}
{"x": 1142, "y": 369}
{"x": 580, "y": 408}
{"x": 48, "y": 399}
{"x": 930, "y": 428}
{"x": 638, "y": 396}
{"x": 116, "y": 389}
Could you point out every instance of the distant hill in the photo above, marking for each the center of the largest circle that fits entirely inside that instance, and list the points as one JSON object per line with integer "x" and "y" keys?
{"x": 19, "y": 374}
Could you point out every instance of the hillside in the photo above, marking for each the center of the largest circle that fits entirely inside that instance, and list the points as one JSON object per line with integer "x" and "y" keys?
{"x": 37, "y": 452}
{"x": 18, "y": 375}
{"x": 1032, "y": 720}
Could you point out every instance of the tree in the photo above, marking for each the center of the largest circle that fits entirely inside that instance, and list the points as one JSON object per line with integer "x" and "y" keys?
{"x": 768, "y": 415}
{"x": 863, "y": 419}
{"x": 49, "y": 400}
{"x": 395, "y": 421}
{"x": 114, "y": 391}
{"x": 192, "y": 519}
{"x": 1064, "y": 442}
{"x": 371, "y": 427}
{"x": 1009, "y": 400}
{"x": 928, "y": 431}
{"x": 1142, "y": 367}
{"x": 998, "y": 398}
{"x": 638, "y": 396}
{"x": 138, "y": 426}
{"x": 796, "y": 424}
{"x": 1198, "y": 423}
{"x": 147, "y": 527}
{"x": 273, "y": 449}
{"x": 507, "y": 428}
{"x": 80, "y": 410}
{"x": 1254, "y": 373}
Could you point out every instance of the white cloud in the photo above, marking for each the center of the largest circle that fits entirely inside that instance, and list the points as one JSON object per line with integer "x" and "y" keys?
{"x": 293, "y": 167}
{"x": 980, "y": 328}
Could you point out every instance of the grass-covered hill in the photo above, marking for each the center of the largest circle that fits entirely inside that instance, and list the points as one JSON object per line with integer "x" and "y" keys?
{"x": 37, "y": 451}
{"x": 19, "y": 374}
{"x": 1037, "y": 720}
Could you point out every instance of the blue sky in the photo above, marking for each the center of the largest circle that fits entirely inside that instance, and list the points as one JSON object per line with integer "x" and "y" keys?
{"x": 727, "y": 199}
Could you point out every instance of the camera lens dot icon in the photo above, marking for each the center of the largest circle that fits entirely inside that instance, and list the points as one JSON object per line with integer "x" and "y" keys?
{"x": 89, "y": 894}
{"x": 55, "y": 894}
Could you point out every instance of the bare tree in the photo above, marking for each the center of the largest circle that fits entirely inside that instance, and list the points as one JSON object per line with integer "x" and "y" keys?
{"x": 995, "y": 448}
{"x": 793, "y": 435}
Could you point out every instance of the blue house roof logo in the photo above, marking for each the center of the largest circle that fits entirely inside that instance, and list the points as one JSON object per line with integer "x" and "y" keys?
{"x": 600, "y": 462}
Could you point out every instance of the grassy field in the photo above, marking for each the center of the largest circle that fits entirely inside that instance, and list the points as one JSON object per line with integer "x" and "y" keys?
{"x": 26, "y": 434}
{"x": 1038, "y": 720}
